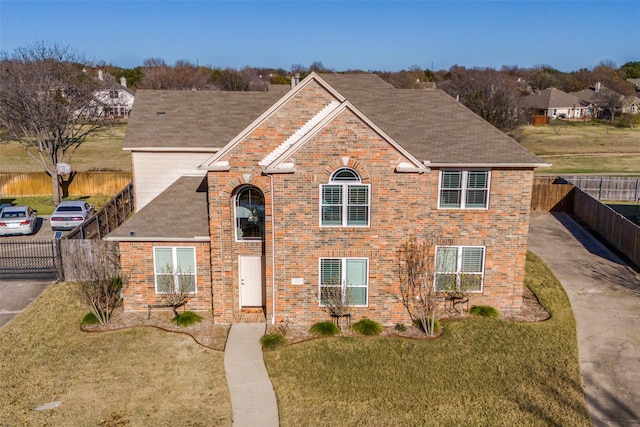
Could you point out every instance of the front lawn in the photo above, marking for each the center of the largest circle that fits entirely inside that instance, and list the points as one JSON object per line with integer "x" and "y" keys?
{"x": 133, "y": 377}
{"x": 480, "y": 372}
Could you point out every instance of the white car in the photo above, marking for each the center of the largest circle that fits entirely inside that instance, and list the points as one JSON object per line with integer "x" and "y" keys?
{"x": 70, "y": 214}
{"x": 17, "y": 220}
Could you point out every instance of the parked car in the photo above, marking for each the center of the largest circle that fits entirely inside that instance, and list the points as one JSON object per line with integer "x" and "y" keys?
{"x": 70, "y": 214}
{"x": 17, "y": 220}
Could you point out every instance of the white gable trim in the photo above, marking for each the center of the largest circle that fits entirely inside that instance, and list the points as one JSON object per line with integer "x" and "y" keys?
{"x": 264, "y": 116}
{"x": 332, "y": 115}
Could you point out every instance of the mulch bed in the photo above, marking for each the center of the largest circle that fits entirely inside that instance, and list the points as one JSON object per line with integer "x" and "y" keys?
{"x": 214, "y": 336}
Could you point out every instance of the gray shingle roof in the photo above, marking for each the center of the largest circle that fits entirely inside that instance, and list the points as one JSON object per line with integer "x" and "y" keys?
{"x": 429, "y": 123}
{"x": 179, "y": 213}
{"x": 192, "y": 119}
{"x": 550, "y": 98}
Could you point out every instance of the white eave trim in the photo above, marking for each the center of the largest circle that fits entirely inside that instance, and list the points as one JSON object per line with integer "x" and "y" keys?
{"x": 217, "y": 167}
{"x": 409, "y": 168}
{"x": 158, "y": 239}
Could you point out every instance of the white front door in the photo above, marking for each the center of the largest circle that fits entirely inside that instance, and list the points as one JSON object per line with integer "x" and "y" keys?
{"x": 250, "y": 281}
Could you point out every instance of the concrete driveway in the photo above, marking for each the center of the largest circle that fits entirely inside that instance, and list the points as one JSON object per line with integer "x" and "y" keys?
{"x": 16, "y": 295}
{"x": 605, "y": 297}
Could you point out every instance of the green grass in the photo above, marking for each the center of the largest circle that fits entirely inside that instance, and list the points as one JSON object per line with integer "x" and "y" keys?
{"x": 145, "y": 376}
{"x": 100, "y": 152}
{"x": 44, "y": 204}
{"x": 273, "y": 341}
{"x": 187, "y": 318}
{"x": 484, "y": 311}
{"x": 367, "y": 327}
{"x": 326, "y": 329}
{"x": 579, "y": 148}
{"x": 481, "y": 372}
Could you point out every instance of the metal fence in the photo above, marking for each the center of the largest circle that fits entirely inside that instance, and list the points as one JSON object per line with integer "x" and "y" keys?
{"x": 33, "y": 258}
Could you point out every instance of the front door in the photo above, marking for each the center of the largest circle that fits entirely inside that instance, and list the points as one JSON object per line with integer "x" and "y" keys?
{"x": 250, "y": 281}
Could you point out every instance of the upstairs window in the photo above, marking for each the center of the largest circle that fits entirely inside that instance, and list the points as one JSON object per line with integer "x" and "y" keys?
{"x": 345, "y": 200}
{"x": 462, "y": 189}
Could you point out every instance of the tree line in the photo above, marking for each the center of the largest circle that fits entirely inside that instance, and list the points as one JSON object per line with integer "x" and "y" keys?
{"x": 155, "y": 73}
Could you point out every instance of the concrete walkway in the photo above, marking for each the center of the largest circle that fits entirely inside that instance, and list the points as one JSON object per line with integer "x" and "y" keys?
{"x": 252, "y": 397}
{"x": 605, "y": 298}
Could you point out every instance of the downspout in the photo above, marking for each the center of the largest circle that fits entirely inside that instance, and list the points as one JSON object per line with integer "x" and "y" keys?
{"x": 273, "y": 255}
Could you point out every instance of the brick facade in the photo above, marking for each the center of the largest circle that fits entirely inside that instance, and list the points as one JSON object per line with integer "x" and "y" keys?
{"x": 402, "y": 204}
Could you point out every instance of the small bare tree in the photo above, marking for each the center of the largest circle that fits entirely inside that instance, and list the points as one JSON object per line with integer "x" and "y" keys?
{"x": 336, "y": 299}
{"x": 95, "y": 267}
{"x": 415, "y": 289}
{"x": 177, "y": 287}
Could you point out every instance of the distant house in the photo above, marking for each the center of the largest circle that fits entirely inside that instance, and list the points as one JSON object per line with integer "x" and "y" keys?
{"x": 113, "y": 99}
{"x": 636, "y": 82}
{"x": 273, "y": 201}
{"x": 591, "y": 96}
{"x": 631, "y": 105}
{"x": 554, "y": 103}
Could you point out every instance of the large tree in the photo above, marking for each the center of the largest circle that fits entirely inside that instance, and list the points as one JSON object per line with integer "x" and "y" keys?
{"x": 47, "y": 104}
{"x": 486, "y": 92}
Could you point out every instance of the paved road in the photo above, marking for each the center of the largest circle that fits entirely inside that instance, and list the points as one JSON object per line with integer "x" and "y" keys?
{"x": 605, "y": 297}
{"x": 18, "y": 291}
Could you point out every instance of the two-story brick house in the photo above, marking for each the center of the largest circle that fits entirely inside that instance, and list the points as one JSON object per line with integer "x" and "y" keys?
{"x": 316, "y": 192}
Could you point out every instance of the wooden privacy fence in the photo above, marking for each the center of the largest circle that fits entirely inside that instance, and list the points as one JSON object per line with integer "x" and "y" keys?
{"x": 551, "y": 194}
{"x": 106, "y": 219}
{"x": 607, "y": 187}
{"x": 84, "y": 259}
{"x": 622, "y": 234}
{"x": 84, "y": 183}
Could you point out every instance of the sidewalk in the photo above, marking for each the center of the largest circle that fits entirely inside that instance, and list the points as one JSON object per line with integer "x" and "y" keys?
{"x": 605, "y": 298}
{"x": 252, "y": 397}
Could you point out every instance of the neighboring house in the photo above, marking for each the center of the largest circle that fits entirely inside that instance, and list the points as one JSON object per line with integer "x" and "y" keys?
{"x": 113, "y": 99}
{"x": 314, "y": 191}
{"x": 555, "y": 103}
{"x": 631, "y": 105}
{"x": 636, "y": 82}
{"x": 591, "y": 96}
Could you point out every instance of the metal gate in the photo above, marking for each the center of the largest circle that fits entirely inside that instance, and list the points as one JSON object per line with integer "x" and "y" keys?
{"x": 37, "y": 258}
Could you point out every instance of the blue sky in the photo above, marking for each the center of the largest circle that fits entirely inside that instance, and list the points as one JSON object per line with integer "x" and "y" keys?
{"x": 367, "y": 35}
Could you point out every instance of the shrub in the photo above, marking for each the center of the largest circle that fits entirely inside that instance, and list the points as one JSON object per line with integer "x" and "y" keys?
{"x": 484, "y": 311}
{"x": 187, "y": 318}
{"x": 90, "y": 319}
{"x": 436, "y": 326}
{"x": 273, "y": 341}
{"x": 400, "y": 327}
{"x": 367, "y": 327}
{"x": 325, "y": 328}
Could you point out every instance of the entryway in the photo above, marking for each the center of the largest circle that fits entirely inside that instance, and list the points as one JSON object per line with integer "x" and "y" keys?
{"x": 251, "y": 281}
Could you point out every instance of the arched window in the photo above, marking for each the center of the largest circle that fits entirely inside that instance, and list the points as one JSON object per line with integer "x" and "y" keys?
{"x": 249, "y": 214}
{"x": 344, "y": 200}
